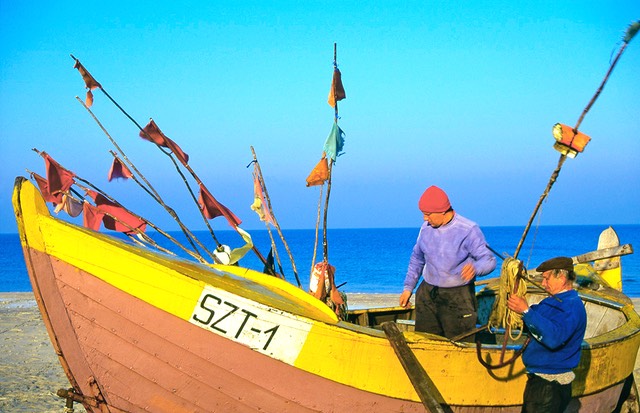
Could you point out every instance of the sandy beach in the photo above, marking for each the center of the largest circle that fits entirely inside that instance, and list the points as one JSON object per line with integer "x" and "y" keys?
{"x": 29, "y": 370}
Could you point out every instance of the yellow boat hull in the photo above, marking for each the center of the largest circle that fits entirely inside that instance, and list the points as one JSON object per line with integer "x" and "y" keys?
{"x": 260, "y": 324}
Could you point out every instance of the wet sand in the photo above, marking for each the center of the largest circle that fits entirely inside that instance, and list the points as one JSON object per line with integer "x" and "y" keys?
{"x": 29, "y": 370}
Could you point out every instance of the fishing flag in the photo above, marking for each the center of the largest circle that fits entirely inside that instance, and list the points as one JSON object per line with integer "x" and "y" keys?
{"x": 260, "y": 205}
{"x": 568, "y": 140}
{"x": 337, "y": 92}
{"x": 334, "y": 143}
{"x": 269, "y": 266}
{"x": 44, "y": 189}
{"x": 212, "y": 208}
{"x": 92, "y": 216}
{"x": 59, "y": 178}
{"x": 70, "y": 205}
{"x": 320, "y": 173}
{"x": 152, "y": 133}
{"x": 119, "y": 170}
{"x": 116, "y": 217}
{"x": 238, "y": 253}
{"x": 89, "y": 82}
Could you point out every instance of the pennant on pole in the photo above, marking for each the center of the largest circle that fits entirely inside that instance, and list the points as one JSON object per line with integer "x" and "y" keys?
{"x": 44, "y": 190}
{"x": 89, "y": 82}
{"x": 212, "y": 208}
{"x": 119, "y": 219}
{"x": 59, "y": 178}
{"x": 240, "y": 252}
{"x": 569, "y": 141}
{"x": 69, "y": 205}
{"x": 337, "y": 92}
{"x": 260, "y": 205}
{"x": 334, "y": 143}
{"x": 320, "y": 173}
{"x": 119, "y": 170}
{"x": 92, "y": 216}
{"x": 152, "y": 133}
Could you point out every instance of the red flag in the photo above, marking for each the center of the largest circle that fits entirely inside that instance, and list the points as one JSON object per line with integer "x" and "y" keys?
{"x": 152, "y": 133}
{"x": 89, "y": 82}
{"x": 59, "y": 178}
{"x": 212, "y": 208}
{"x": 44, "y": 189}
{"x": 92, "y": 216}
{"x": 119, "y": 170}
{"x": 118, "y": 216}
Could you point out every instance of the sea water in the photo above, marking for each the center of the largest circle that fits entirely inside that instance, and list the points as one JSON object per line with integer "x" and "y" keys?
{"x": 375, "y": 260}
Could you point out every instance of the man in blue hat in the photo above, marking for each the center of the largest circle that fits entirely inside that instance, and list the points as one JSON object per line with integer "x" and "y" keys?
{"x": 557, "y": 325}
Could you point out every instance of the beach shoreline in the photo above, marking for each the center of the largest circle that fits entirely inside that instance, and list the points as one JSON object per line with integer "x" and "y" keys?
{"x": 30, "y": 373}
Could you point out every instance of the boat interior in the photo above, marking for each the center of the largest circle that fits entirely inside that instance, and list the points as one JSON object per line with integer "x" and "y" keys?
{"x": 603, "y": 315}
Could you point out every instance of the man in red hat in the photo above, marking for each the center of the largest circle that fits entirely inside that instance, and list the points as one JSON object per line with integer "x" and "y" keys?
{"x": 449, "y": 253}
{"x": 557, "y": 325}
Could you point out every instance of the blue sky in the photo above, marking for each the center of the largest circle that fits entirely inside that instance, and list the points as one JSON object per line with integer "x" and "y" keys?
{"x": 458, "y": 94}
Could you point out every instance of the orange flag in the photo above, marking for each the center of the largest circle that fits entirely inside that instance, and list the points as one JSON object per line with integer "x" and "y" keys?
{"x": 119, "y": 170}
{"x": 152, "y": 133}
{"x": 212, "y": 208}
{"x": 337, "y": 92}
{"x": 89, "y": 82}
{"x": 566, "y": 135}
{"x": 319, "y": 174}
{"x": 59, "y": 178}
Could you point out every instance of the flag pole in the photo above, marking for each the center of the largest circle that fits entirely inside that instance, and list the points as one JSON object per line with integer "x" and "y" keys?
{"x": 275, "y": 221}
{"x": 184, "y": 179}
{"x": 148, "y": 188}
{"x": 191, "y": 171}
{"x": 325, "y": 244}
{"x": 113, "y": 200}
{"x": 629, "y": 34}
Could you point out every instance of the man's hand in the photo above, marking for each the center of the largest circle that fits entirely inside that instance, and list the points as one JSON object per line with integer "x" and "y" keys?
{"x": 404, "y": 298}
{"x": 468, "y": 272}
{"x": 517, "y": 304}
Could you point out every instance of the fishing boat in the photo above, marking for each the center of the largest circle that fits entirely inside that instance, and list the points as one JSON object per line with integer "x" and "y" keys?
{"x": 139, "y": 329}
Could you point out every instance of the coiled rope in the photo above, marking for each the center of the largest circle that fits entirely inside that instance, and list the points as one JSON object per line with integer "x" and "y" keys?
{"x": 511, "y": 282}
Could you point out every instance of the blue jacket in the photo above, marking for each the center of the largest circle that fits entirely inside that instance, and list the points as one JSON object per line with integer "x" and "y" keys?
{"x": 558, "y": 329}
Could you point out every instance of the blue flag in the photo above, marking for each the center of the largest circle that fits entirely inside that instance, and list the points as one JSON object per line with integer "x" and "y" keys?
{"x": 334, "y": 143}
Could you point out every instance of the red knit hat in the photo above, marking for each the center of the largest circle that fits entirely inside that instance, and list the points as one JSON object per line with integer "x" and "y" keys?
{"x": 434, "y": 199}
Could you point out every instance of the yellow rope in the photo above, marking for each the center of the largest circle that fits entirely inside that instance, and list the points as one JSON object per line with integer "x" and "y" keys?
{"x": 501, "y": 316}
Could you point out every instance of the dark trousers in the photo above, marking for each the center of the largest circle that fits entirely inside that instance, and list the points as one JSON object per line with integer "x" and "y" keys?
{"x": 543, "y": 396}
{"x": 446, "y": 311}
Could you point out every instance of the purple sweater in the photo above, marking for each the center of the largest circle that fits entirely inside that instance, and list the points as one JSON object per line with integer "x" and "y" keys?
{"x": 440, "y": 253}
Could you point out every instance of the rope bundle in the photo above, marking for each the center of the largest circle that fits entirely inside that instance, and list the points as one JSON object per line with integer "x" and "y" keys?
{"x": 510, "y": 283}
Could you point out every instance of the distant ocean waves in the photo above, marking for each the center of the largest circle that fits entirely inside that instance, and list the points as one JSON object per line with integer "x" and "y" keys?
{"x": 375, "y": 260}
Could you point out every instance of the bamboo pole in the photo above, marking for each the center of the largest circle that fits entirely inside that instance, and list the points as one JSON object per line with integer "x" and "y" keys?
{"x": 315, "y": 244}
{"x": 191, "y": 171}
{"x": 149, "y": 189}
{"x": 630, "y": 33}
{"x": 275, "y": 221}
{"x": 325, "y": 243}
{"x": 152, "y": 225}
{"x": 159, "y": 147}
